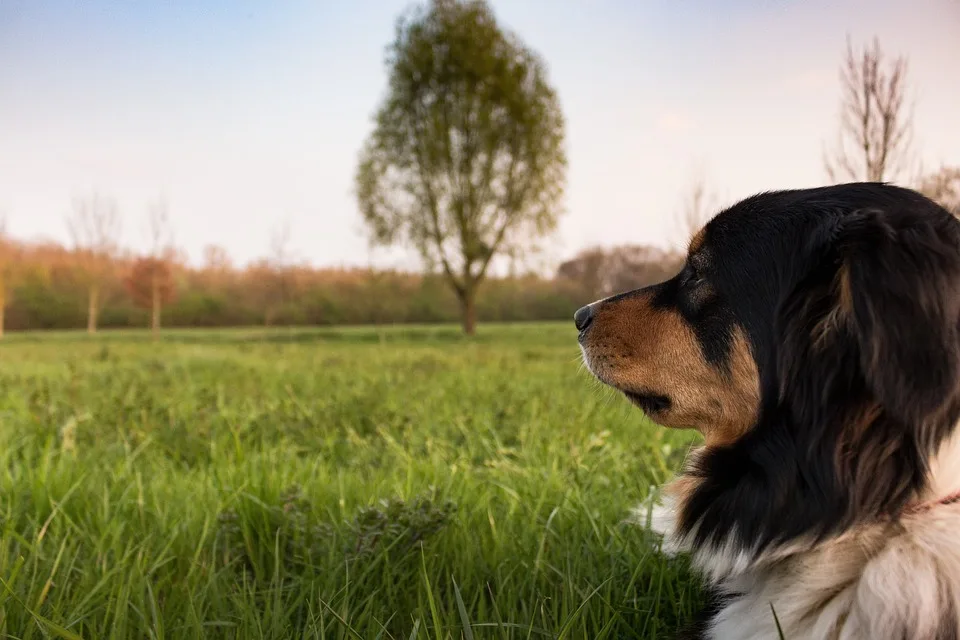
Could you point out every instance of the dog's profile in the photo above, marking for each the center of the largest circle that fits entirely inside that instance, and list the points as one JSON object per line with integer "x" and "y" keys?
{"x": 813, "y": 339}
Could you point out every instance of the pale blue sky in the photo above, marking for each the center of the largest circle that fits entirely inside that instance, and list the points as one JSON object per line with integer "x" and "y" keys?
{"x": 245, "y": 114}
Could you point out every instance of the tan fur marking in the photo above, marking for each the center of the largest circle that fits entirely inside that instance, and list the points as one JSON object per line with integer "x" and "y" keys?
{"x": 844, "y": 291}
{"x": 862, "y": 420}
{"x": 696, "y": 242}
{"x": 681, "y": 489}
{"x": 637, "y": 348}
{"x": 841, "y": 312}
{"x": 851, "y": 453}
{"x": 825, "y": 328}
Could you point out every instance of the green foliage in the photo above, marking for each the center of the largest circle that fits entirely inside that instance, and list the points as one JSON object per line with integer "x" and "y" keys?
{"x": 369, "y": 298}
{"x": 322, "y": 483}
{"x": 466, "y": 160}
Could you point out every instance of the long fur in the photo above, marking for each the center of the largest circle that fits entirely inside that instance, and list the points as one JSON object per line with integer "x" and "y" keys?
{"x": 828, "y": 516}
{"x": 895, "y": 579}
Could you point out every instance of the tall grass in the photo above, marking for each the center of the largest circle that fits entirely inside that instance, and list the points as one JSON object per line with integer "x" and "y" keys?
{"x": 396, "y": 484}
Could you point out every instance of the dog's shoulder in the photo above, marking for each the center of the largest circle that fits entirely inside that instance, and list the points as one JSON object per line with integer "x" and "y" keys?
{"x": 895, "y": 580}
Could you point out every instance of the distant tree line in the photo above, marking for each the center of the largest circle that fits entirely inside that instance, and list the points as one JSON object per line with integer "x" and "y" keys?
{"x": 46, "y": 286}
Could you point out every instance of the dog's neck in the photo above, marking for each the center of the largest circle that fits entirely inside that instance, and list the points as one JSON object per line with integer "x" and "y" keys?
{"x": 921, "y": 507}
{"x": 943, "y": 488}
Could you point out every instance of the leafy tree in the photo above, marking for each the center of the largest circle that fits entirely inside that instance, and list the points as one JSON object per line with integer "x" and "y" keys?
{"x": 151, "y": 286}
{"x": 466, "y": 160}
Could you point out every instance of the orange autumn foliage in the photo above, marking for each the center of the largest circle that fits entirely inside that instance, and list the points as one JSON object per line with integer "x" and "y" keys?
{"x": 47, "y": 289}
{"x": 150, "y": 277}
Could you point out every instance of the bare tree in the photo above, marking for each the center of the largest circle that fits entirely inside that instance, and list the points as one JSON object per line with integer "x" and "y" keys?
{"x": 876, "y": 127}
{"x": 600, "y": 272}
{"x": 94, "y": 226}
{"x": 8, "y": 263}
{"x": 280, "y": 253}
{"x": 943, "y": 186}
{"x": 161, "y": 256}
{"x": 698, "y": 207}
{"x": 217, "y": 266}
{"x": 216, "y": 259}
{"x": 277, "y": 281}
{"x": 159, "y": 229}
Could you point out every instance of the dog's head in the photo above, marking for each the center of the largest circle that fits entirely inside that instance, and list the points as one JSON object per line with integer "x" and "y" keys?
{"x": 813, "y": 338}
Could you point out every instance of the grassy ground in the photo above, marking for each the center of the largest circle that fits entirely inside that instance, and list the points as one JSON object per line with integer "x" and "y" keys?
{"x": 326, "y": 484}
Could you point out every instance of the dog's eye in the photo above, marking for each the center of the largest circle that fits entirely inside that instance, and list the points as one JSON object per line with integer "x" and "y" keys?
{"x": 691, "y": 278}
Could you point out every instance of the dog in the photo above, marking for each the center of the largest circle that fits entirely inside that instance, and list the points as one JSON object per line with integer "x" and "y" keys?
{"x": 812, "y": 337}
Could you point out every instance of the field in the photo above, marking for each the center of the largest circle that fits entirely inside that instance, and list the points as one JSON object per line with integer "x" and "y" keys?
{"x": 402, "y": 483}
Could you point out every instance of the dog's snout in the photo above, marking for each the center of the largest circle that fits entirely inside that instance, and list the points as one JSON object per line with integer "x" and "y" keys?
{"x": 583, "y": 317}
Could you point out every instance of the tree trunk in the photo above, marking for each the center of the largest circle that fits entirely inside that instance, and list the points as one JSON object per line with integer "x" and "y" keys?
{"x": 93, "y": 306}
{"x": 155, "y": 309}
{"x": 468, "y": 311}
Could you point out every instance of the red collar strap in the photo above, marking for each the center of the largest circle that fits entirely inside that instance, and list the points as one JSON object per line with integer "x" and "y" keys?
{"x": 952, "y": 498}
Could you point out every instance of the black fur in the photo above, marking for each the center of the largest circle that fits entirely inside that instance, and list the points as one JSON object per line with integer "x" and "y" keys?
{"x": 697, "y": 628}
{"x": 804, "y": 470}
{"x": 849, "y": 297}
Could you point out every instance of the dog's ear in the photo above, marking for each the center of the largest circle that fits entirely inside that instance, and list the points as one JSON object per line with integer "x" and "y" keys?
{"x": 869, "y": 357}
{"x": 898, "y": 295}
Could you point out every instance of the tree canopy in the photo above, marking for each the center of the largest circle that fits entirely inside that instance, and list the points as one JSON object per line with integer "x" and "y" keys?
{"x": 466, "y": 160}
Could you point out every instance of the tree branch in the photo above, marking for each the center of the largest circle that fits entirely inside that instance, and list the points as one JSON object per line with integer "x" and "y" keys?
{"x": 432, "y": 204}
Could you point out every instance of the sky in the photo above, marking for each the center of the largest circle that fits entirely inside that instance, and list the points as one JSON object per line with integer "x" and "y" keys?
{"x": 246, "y": 116}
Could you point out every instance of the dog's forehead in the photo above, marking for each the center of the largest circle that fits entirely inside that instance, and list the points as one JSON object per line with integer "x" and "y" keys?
{"x": 755, "y": 233}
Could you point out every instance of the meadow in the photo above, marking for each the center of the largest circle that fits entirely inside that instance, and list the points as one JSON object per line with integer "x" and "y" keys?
{"x": 392, "y": 483}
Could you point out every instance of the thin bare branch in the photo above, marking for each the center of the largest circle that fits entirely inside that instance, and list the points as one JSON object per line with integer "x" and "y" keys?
{"x": 280, "y": 253}
{"x": 875, "y": 134}
{"x": 95, "y": 225}
{"x": 698, "y": 206}
{"x": 943, "y": 186}
{"x": 160, "y": 228}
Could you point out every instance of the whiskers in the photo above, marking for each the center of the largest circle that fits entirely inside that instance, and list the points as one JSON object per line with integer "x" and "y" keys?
{"x": 606, "y": 394}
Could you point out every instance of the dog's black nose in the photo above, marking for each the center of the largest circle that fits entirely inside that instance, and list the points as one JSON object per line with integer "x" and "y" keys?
{"x": 583, "y": 317}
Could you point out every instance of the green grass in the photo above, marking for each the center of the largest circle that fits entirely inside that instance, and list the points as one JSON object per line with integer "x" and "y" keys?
{"x": 358, "y": 483}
